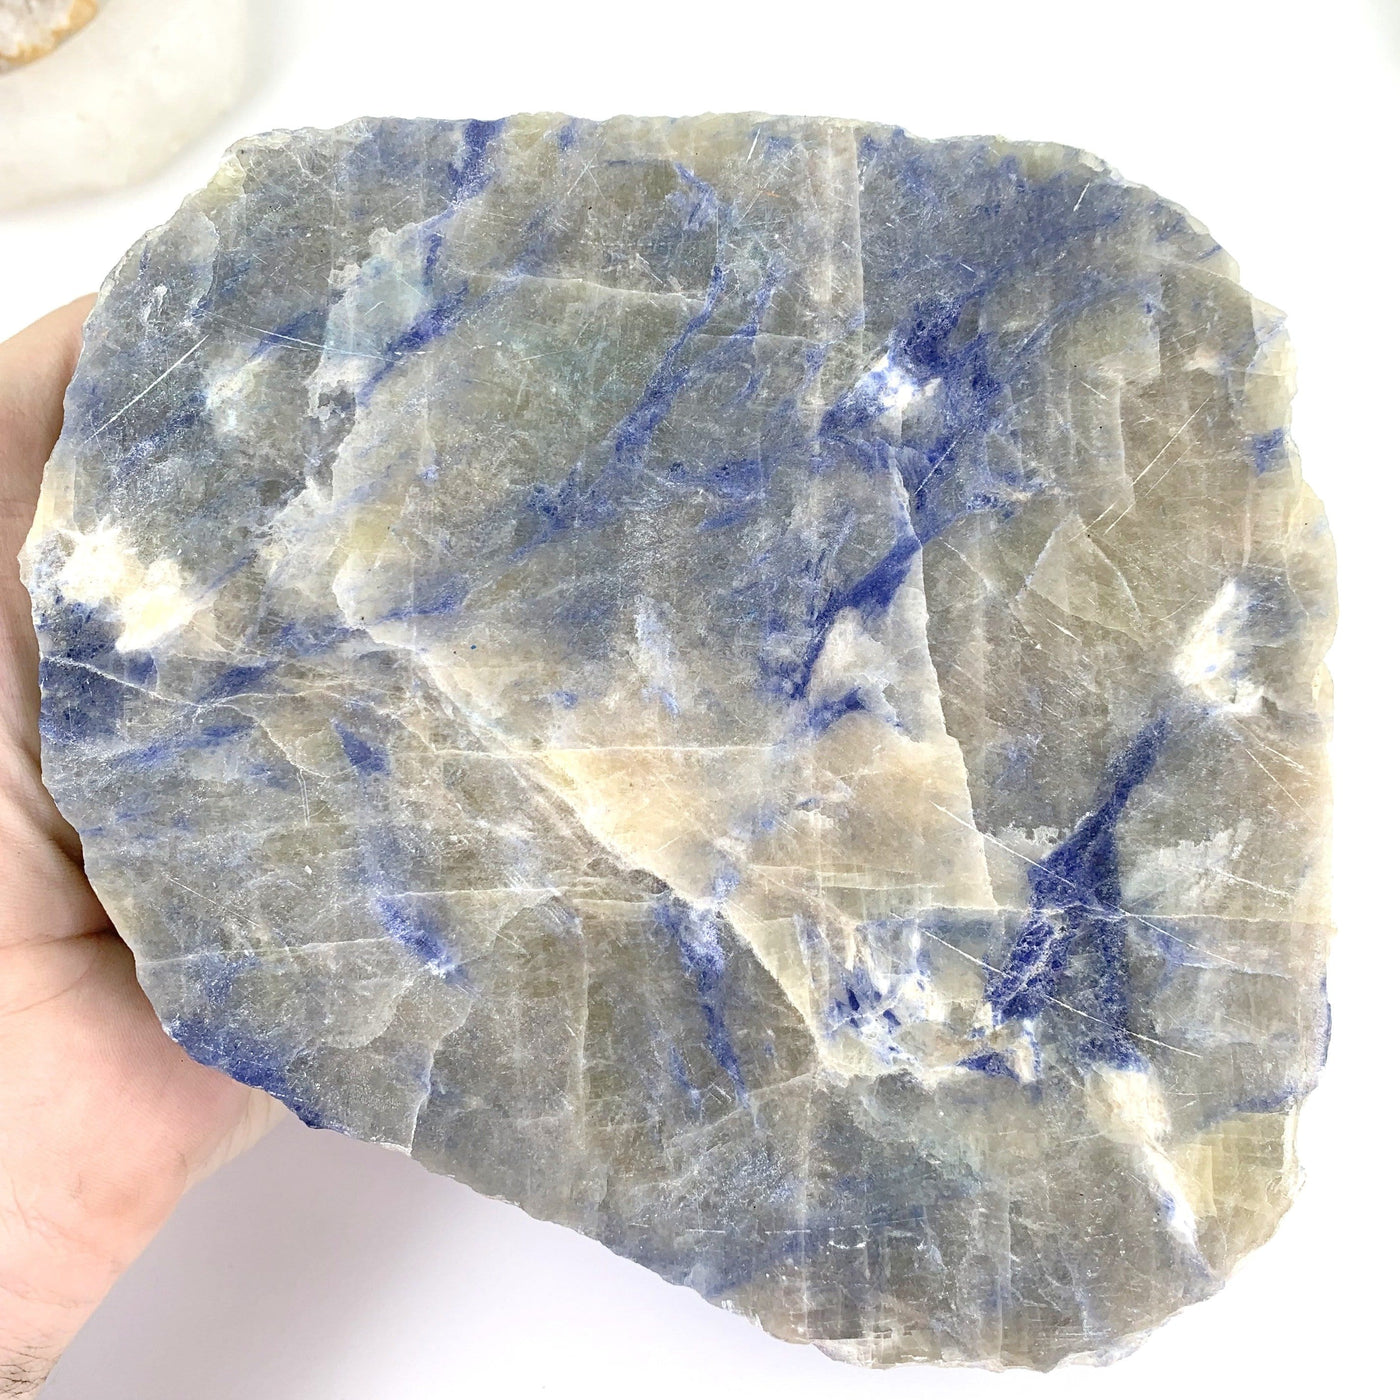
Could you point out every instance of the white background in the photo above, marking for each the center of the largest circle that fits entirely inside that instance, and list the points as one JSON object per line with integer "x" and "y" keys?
{"x": 322, "y": 1269}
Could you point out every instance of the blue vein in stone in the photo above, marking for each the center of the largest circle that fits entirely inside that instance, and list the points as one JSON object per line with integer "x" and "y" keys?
{"x": 633, "y": 435}
{"x": 1269, "y": 450}
{"x": 937, "y": 497}
{"x": 237, "y": 680}
{"x": 83, "y": 677}
{"x": 924, "y": 348}
{"x": 399, "y": 914}
{"x": 209, "y": 736}
{"x": 696, "y": 935}
{"x": 365, "y": 758}
{"x": 578, "y": 504}
{"x": 467, "y": 178}
{"x": 703, "y": 209}
{"x": 433, "y": 323}
{"x": 250, "y": 1058}
{"x": 990, "y": 1062}
{"x": 1075, "y": 903}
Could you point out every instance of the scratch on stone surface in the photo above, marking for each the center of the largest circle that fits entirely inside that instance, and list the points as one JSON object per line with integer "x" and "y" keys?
{"x": 159, "y": 379}
{"x": 314, "y": 344}
{"x": 1156, "y": 458}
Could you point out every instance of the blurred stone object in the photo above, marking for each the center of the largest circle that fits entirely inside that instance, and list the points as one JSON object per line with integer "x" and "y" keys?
{"x": 110, "y": 105}
{"x": 29, "y": 29}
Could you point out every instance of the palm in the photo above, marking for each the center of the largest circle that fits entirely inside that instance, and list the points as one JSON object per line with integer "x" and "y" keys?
{"x": 103, "y": 1120}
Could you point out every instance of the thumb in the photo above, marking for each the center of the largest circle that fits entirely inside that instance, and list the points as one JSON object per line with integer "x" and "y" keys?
{"x": 35, "y": 367}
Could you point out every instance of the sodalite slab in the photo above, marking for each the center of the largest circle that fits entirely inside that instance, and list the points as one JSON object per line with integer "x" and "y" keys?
{"x": 751, "y": 685}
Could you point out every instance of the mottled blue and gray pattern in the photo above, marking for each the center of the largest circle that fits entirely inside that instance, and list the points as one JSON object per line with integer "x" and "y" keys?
{"x": 752, "y": 685}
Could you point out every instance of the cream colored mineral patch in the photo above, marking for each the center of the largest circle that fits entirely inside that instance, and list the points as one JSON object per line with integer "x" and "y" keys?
{"x": 29, "y": 29}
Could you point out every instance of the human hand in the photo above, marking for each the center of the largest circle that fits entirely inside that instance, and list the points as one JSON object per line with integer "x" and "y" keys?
{"x": 104, "y": 1121}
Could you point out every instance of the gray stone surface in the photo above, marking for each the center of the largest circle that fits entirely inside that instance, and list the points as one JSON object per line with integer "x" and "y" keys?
{"x": 751, "y": 685}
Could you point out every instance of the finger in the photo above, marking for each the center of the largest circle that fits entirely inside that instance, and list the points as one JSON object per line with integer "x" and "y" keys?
{"x": 35, "y": 367}
{"x": 42, "y": 892}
